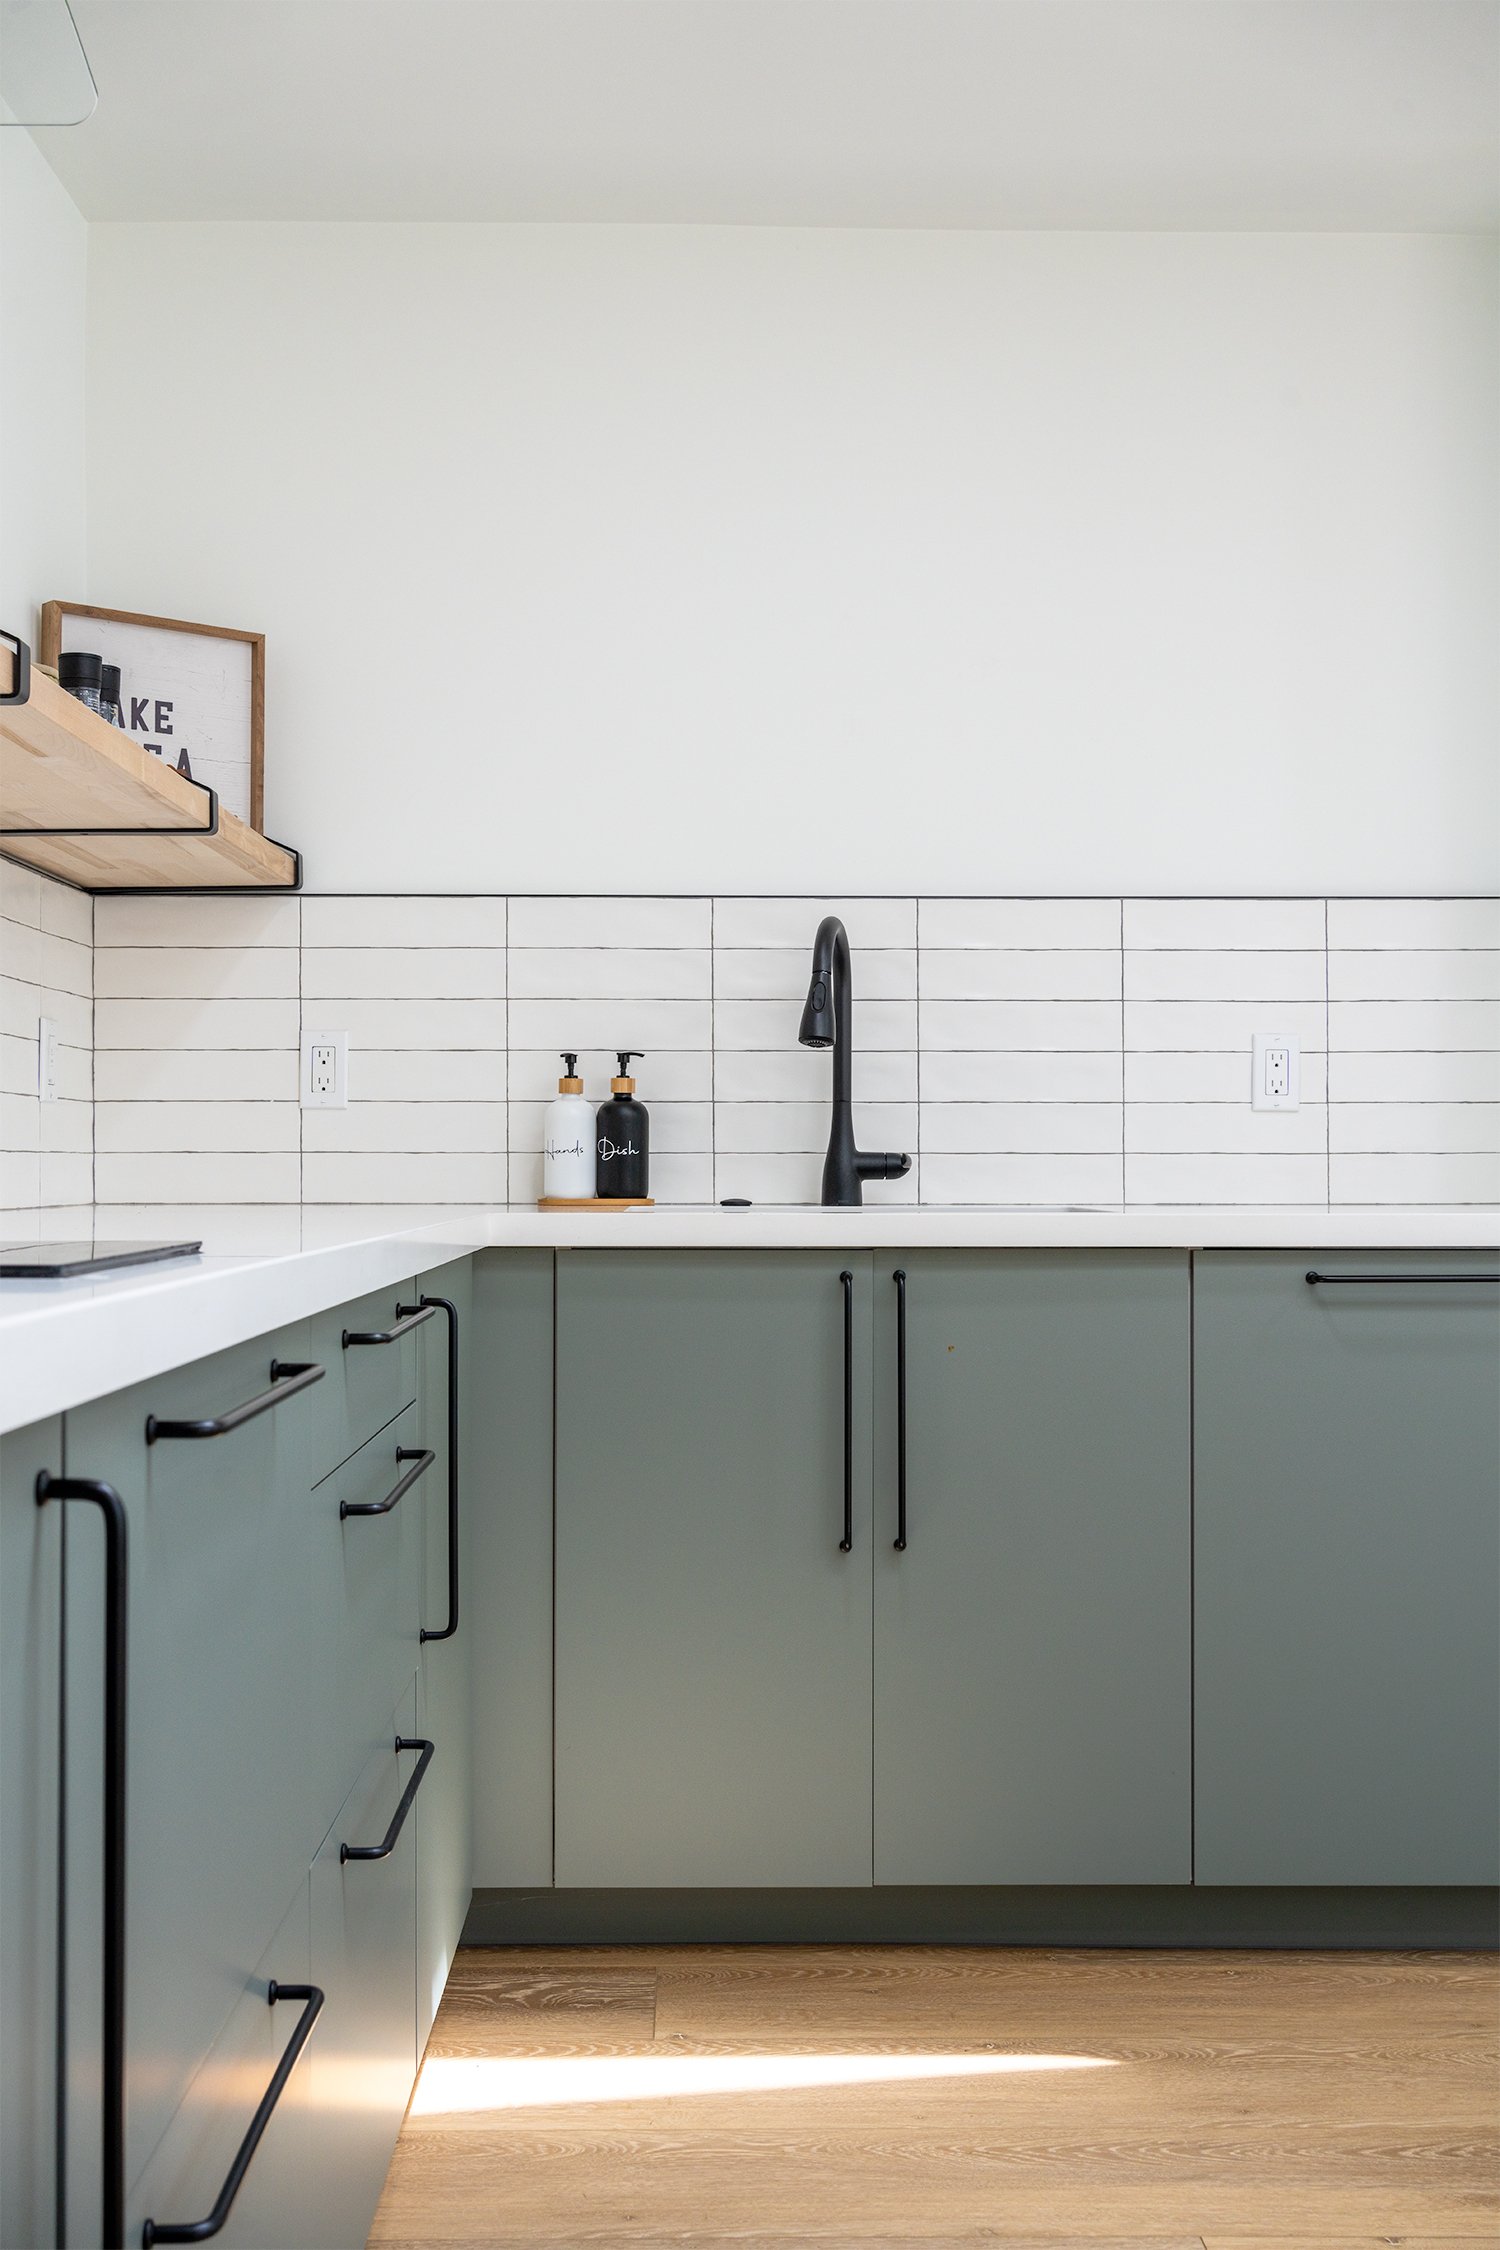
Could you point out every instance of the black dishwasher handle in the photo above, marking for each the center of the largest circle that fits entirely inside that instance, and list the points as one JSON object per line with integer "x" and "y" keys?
{"x": 287, "y": 1378}
{"x": 422, "y": 1458}
{"x": 388, "y": 1841}
{"x": 200, "y": 2230}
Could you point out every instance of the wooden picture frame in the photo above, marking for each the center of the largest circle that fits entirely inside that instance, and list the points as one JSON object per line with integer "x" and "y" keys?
{"x": 55, "y": 613}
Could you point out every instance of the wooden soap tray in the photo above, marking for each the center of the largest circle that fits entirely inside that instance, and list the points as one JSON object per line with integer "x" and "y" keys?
{"x": 595, "y": 1202}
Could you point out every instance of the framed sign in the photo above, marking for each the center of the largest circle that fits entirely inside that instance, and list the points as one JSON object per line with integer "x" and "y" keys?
{"x": 194, "y": 695}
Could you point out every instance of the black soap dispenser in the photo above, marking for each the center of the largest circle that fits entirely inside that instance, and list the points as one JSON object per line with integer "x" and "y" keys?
{"x": 622, "y": 1140}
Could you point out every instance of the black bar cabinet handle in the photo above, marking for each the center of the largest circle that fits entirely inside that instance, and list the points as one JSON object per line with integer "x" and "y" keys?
{"x": 387, "y": 1843}
{"x": 446, "y": 1306}
{"x": 899, "y": 1278}
{"x": 287, "y": 1378}
{"x": 422, "y": 1458}
{"x": 112, "y": 2049}
{"x": 199, "y": 2230}
{"x": 407, "y": 1318}
{"x": 846, "y": 1282}
{"x": 1390, "y": 1280}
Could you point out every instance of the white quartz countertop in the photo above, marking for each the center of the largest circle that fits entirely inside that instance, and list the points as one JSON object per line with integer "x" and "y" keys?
{"x": 65, "y": 1342}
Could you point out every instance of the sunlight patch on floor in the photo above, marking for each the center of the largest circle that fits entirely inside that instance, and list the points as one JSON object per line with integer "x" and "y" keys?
{"x": 450, "y": 2084}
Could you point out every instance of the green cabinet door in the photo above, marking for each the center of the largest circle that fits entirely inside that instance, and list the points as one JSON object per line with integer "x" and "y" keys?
{"x": 1032, "y": 1642}
{"x": 31, "y": 1547}
{"x": 1347, "y": 1561}
{"x": 712, "y": 1641}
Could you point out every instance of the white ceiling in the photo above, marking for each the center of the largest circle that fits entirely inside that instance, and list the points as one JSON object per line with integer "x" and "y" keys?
{"x": 928, "y": 113}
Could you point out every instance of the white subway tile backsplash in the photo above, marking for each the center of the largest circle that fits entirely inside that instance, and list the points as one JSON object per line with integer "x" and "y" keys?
{"x": 1221, "y": 1077}
{"x": 411, "y": 1025}
{"x": 748, "y": 1074}
{"x": 1021, "y": 1128}
{"x": 1427, "y": 1077}
{"x": 1196, "y": 1177}
{"x": 870, "y": 922}
{"x": 1413, "y": 924}
{"x": 255, "y": 972}
{"x": 165, "y": 1128}
{"x": 998, "y": 924}
{"x": 388, "y": 972}
{"x": 1037, "y": 1026}
{"x": 1213, "y": 925}
{"x": 665, "y": 1075}
{"x": 1417, "y": 1128}
{"x": 879, "y": 1025}
{"x": 610, "y": 973}
{"x": 21, "y": 1121}
{"x": 185, "y": 924}
{"x": 608, "y": 922}
{"x": 1432, "y": 1177}
{"x": 226, "y": 1230}
{"x": 403, "y": 923}
{"x": 1060, "y": 1178}
{"x": 1431, "y": 975}
{"x": 640, "y": 1025}
{"x": 21, "y": 895}
{"x": 20, "y": 952}
{"x": 1446, "y": 1026}
{"x": 352, "y": 1177}
{"x": 197, "y": 1177}
{"x": 782, "y": 973}
{"x": 982, "y": 973}
{"x": 1066, "y": 1051}
{"x": 18, "y": 1064}
{"x": 1261, "y": 977}
{"x": 1219, "y": 1026}
{"x": 1224, "y": 1129}
{"x": 800, "y": 1128}
{"x": 428, "y": 1074}
{"x": 194, "y": 1074}
{"x": 20, "y": 1178}
{"x": 993, "y": 1075}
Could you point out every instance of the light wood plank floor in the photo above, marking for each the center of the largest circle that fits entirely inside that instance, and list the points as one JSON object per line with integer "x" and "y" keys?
{"x": 872, "y": 2096}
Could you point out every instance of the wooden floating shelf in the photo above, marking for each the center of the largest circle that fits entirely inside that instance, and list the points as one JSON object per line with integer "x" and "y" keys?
{"x": 63, "y": 767}
{"x": 595, "y": 1202}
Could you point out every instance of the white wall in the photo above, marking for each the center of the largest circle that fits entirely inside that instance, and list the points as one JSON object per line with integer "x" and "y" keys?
{"x": 43, "y": 277}
{"x": 695, "y": 559}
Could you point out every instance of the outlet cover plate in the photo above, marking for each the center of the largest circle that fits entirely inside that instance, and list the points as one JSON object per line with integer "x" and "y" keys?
{"x": 325, "y": 1070}
{"x": 46, "y": 1059}
{"x": 1276, "y": 1071}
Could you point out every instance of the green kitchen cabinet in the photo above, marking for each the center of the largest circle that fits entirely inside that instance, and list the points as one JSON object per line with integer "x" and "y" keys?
{"x": 713, "y": 1633}
{"x": 31, "y": 1566}
{"x": 444, "y": 1855}
{"x": 1033, "y": 1636}
{"x": 1347, "y": 1444}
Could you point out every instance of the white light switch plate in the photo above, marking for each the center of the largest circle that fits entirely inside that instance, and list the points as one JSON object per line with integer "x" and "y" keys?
{"x": 1276, "y": 1071}
{"x": 46, "y": 1059}
{"x": 325, "y": 1070}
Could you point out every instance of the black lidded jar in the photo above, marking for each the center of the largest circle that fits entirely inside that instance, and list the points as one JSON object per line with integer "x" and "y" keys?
{"x": 622, "y": 1139}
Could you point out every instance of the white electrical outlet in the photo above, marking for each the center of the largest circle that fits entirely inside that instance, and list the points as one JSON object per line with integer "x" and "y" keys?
{"x": 46, "y": 1059}
{"x": 1276, "y": 1071}
{"x": 325, "y": 1070}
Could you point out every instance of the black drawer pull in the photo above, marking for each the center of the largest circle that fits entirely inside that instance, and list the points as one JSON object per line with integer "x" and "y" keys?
{"x": 421, "y": 1457}
{"x": 846, "y": 1283}
{"x": 199, "y": 2230}
{"x": 407, "y": 1318}
{"x": 287, "y": 1378}
{"x": 387, "y": 1843}
{"x": 899, "y": 1542}
{"x": 112, "y": 1952}
{"x": 450, "y": 1310}
{"x": 1391, "y": 1280}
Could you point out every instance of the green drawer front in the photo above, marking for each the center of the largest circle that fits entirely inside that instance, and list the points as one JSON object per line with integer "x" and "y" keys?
{"x": 366, "y": 1577}
{"x": 367, "y": 1383}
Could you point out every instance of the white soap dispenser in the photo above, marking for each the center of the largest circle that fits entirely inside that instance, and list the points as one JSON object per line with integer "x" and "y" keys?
{"x": 568, "y": 1142}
